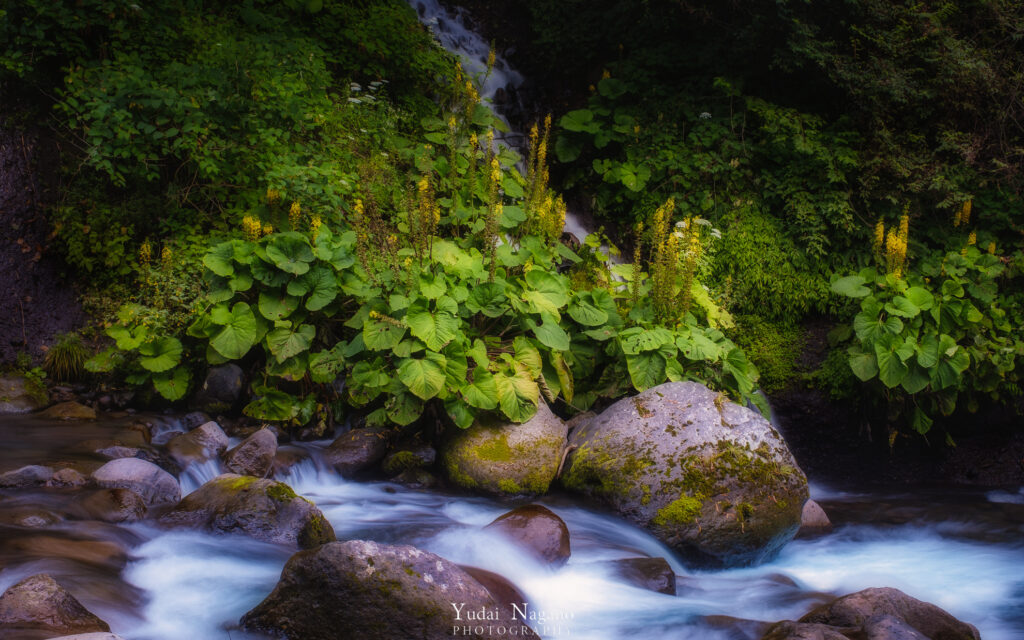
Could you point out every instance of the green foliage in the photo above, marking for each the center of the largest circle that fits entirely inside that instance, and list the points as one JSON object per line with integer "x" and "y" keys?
{"x": 936, "y": 339}
{"x": 65, "y": 357}
{"x": 773, "y": 347}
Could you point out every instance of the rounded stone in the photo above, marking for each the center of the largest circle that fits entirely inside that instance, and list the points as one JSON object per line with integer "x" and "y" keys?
{"x": 710, "y": 478}
{"x": 39, "y": 604}
{"x": 254, "y": 456}
{"x": 205, "y": 442}
{"x": 508, "y": 458}
{"x": 155, "y": 485}
{"x": 538, "y": 530}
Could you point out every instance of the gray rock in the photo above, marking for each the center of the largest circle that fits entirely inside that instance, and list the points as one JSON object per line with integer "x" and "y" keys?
{"x": 261, "y": 509}
{"x": 67, "y": 478}
{"x": 155, "y": 485}
{"x": 17, "y": 397}
{"x": 789, "y": 630}
{"x": 32, "y": 475}
{"x": 538, "y": 530}
{"x": 114, "y": 505}
{"x": 39, "y": 604}
{"x": 813, "y": 521}
{"x": 220, "y": 390}
{"x": 653, "y": 574}
{"x": 205, "y": 442}
{"x": 371, "y": 591}
{"x": 356, "y": 451}
{"x": 91, "y": 636}
{"x": 708, "y": 477}
{"x": 254, "y": 456}
{"x": 69, "y": 411}
{"x": 508, "y": 458}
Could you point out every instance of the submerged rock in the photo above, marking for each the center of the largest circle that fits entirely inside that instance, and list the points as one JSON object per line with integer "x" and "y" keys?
{"x": 356, "y": 451}
{"x": 114, "y": 505}
{"x": 710, "y": 478}
{"x": 155, "y": 485}
{"x": 32, "y": 475}
{"x": 205, "y": 442}
{"x": 67, "y": 478}
{"x": 254, "y": 456}
{"x": 261, "y": 509}
{"x": 880, "y": 613}
{"x": 39, "y": 604}
{"x": 653, "y": 574}
{"x": 69, "y": 411}
{"x": 538, "y": 530}
{"x": 508, "y": 458}
{"x": 370, "y": 591}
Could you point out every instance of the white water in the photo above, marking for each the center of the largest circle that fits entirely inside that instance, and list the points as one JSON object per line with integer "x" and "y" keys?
{"x": 199, "y": 585}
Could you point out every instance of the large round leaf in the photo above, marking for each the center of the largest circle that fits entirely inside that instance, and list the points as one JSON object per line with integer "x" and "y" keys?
{"x": 518, "y": 396}
{"x": 852, "y": 286}
{"x": 221, "y": 259}
{"x": 482, "y": 393}
{"x": 238, "y": 331}
{"x": 276, "y": 306}
{"x": 160, "y": 354}
{"x": 487, "y": 298}
{"x": 434, "y": 328}
{"x": 290, "y": 252}
{"x": 172, "y": 384}
{"x": 425, "y": 377}
{"x": 381, "y": 336}
{"x": 646, "y": 369}
{"x": 285, "y": 343}
{"x": 583, "y": 312}
{"x": 551, "y": 335}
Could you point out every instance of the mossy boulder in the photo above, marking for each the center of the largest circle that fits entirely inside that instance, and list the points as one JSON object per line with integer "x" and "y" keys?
{"x": 371, "y": 591}
{"x": 18, "y": 395}
{"x": 69, "y": 411}
{"x": 39, "y": 607}
{"x": 713, "y": 480}
{"x": 261, "y": 509}
{"x": 507, "y": 458}
{"x": 357, "y": 451}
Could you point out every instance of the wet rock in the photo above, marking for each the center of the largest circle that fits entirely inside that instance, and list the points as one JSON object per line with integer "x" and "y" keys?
{"x": 789, "y": 630}
{"x": 28, "y": 517}
{"x": 538, "y": 530}
{"x": 100, "y": 553}
{"x": 287, "y": 457}
{"x": 866, "y": 609}
{"x": 254, "y": 456}
{"x": 890, "y": 628}
{"x": 409, "y": 456}
{"x": 155, "y": 485}
{"x": 326, "y": 593}
{"x": 205, "y": 442}
{"x": 220, "y": 390}
{"x": 653, "y": 574}
{"x": 356, "y": 451}
{"x": 67, "y": 478}
{"x": 813, "y": 521}
{"x": 508, "y": 458}
{"x": 417, "y": 479}
{"x": 69, "y": 411}
{"x": 90, "y": 636}
{"x": 579, "y": 420}
{"x": 39, "y": 604}
{"x": 32, "y": 475}
{"x": 114, "y": 505}
{"x": 500, "y": 587}
{"x": 710, "y": 478}
{"x": 261, "y": 509}
{"x": 18, "y": 396}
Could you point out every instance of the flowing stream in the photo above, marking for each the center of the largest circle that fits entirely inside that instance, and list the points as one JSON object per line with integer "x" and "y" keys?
{"x": 962, "y": 550}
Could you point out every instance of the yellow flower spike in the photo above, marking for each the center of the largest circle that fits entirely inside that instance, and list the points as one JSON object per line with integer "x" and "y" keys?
{"x": 474, "y": 142}
{"x": 437, "y": 214}
{"x": 268, "y": 229}
{"x": 605, "y": 75}
{"x": 965, "y": 216}
{"x": 451, "y": 123}
{"x": 972, "y": 239}
{"x": 879, "y": 240}
{"x": 295, "y": 215}
{"x": 490, "y": 138}
{"x": 273, "y": 195}
{"x": 357, "y": 209}
{"x": 145, "y": 252}
{"x": 315, "y": 225}
{"x": 495, "y": 170}
{"x": 491, "y": 57}
{"x": 992, "y": 248}
{"x": 166, "y": 255}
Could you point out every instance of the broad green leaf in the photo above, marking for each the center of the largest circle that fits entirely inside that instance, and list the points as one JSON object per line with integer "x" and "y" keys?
{"x": 160, "y": 354}
{"x": 944, "y": 376}
{"x": 292, "y": 369}
{"x": 902, "y": 307}
{"x": 424, "y": 377}
{"x": 237, "y": 334}
{"x": 921, "y": 298}
{"x": 285, "y": 343}
{"x": 126, "y": 340}
{"x": 370, "y": 374}
{"x": 564, "y": 374}
{"x": 646, "y": 369}
{"x": 697, "y": 346}
{"x": 271, "y": 404}
{"x": 891, "y": 369}
{"x": 547, "y": 293}
{"x": 221, "y": 259}
{"x": 487, "y": 298}
{"x": 736, "y": 364}
{"x": 403, "y": 408}
{"x": 277, "y": 306}
{"x": 462, "y": 415}
{"x": 324, "y": 366}
{"x": 585, "y": 313}
{"x": 290, "y": 252}
{"x": 239, "y": 283}
{"x": 172, "y": 384}
{"x": 550, "y": 334}
{"x": 674, "y": 371}
{"x": 319, "y": 283}
{"x": 103, "y": 361}
{"x": 863, "y": 364}
{"x": 579, "y": 120}
{"x": 518, "y": 396}
{"x": 917, "y": 379}
{"x": 381, "y": 336}
{"x": 928, "y": 351}
{"x": 921, "y": 422}
{"x": 851, "y": 286}
{"x": 952, "y": 289}
{"x": 432, "y": 286}
{"x": 479, "y": 353}
{"x": 434, "y": 328}
{"x": 482, "y": 393}
{"x": 456, "y": 365}
{"x": 528, "y": 356}
{"x": 637, "y": 339}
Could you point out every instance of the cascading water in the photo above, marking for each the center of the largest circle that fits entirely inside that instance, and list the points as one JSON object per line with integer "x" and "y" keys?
{"x": 962, "y": 551}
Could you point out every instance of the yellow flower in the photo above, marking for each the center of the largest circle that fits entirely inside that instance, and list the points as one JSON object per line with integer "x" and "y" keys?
{"x": 295, "y": 214}
{"x": 273, "y": 195}
{"x": 605, "y": 75}
{"x": 315, "y": 225}
{"x": 145, "y": 252}
{"x": 992, "y": 248}
{"x": 165, "y": 256}
{"x": 252, "y": 228}
{"x": 268, "y": 229}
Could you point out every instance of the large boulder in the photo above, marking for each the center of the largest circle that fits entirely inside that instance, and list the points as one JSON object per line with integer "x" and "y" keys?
{"x": 155, "y": 485}
{"x": 538, "y": 530}
{"x": 710, "y": 478}
{"x": 254, "y": 456}
{"x": 356, "y": 451}
{"x": 262, "y": 509}
{"x": 17, "y": 395}
{"x": 39, "y": 607}
{"x": 880, "y": 613}
{"x": 205, "y": 442}
{"x": 220, "y": 390}
{"x": 508, "y": 458}
{"x": 371, "y": 591}
{"x": 32, "y": 475}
